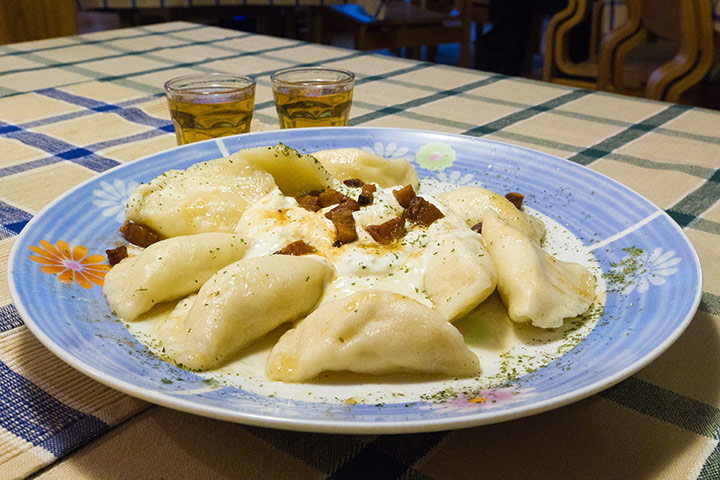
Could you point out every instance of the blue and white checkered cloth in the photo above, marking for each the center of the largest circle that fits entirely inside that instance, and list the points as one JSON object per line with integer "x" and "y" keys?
{"x": 73, "y": 107}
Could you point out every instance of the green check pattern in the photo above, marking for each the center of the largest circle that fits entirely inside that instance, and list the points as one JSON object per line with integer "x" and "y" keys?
{"x": 73, "y": 107}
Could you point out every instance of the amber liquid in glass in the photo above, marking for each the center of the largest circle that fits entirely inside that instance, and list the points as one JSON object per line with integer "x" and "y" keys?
{"x": 299, "y": 108}
{"x": 198, "y": 118}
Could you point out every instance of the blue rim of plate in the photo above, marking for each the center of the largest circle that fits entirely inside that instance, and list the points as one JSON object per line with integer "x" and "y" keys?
{"x": 643, "y": 314}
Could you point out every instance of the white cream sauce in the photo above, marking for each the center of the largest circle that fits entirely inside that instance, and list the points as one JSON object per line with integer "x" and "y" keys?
{"x": 506, "y": 350}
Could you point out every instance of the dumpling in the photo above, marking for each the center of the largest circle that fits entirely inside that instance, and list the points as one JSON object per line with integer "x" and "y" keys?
{"x": 206, "y": 197}
{"x": 240, "y": 304}
{"x": 460, "y": 274}
{"x": 295, "y": 173}
{"x": 346, "y": 163}
{"x": 372, "y": 332}
{"x": 167, "y": 270}
{"x": 473, "y": 203}
{"x": 534, "y": 286}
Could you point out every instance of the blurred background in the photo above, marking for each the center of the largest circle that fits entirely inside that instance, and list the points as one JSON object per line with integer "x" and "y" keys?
{"x": 659, "y": 49}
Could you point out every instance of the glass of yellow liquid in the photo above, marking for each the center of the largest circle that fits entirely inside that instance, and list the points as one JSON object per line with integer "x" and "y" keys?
{"x": 313, "y": 96}
{"x": 210, "y": 105}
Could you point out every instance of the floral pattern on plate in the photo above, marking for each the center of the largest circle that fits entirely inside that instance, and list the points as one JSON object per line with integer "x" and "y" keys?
{"x": 389, "y": 150}
{"x": 639, "y": 321}
{"x": 640, "y": 269}
{"x": 111, "y": 198}
{"x": 435, "y": 156}
{"x": 71, "y": 265}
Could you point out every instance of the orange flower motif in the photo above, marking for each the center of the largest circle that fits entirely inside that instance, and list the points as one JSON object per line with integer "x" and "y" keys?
{"x": 477, "y": 400}
{"x": 70, "y": 265}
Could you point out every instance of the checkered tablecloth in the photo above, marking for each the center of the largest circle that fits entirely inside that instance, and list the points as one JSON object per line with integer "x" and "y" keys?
{"x": 71, "y": 108}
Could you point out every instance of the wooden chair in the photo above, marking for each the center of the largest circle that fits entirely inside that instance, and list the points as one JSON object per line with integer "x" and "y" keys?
{"x": 558, "y": 67}
{"x": 472, "y": 13}
{"x": 272, "y": 18}
{"x": 22, "y": 20}
{"x": 396, "y": 24}
{"x": 665, "y": 48}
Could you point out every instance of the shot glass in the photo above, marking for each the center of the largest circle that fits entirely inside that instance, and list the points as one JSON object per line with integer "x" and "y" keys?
{"x": 210, "y": 105}
{"x": 312, "y": 96}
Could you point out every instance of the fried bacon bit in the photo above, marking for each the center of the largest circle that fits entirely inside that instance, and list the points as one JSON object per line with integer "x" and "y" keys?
{"x": 351, "y": 204}
{"x": 515, "y": 198}
{"x": 296, "y": 248}
{"x": 310, "y": 202}
{"x": 315, "y": 201}
{"x": 477, "y": 228}
{"x": 417, "y": 208}
{"x": 331, "y": 197}
{"x": 139, "y": 235}
{"x": 353, "y": 182}
{"x": 116, "y": 254}
{"x": 366, "y": 196}
{"x": 422, "y": 212}
{"x": 342, "y": 217}
{"x": 404, "y": 196}
{"x": 387, "y": 232}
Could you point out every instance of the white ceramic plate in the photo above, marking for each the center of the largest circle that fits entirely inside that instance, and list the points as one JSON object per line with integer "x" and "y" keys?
{"x": 650, "y": 268}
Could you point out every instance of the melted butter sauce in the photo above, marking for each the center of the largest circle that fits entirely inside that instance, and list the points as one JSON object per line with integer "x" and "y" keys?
{"x": 506, "y": 350}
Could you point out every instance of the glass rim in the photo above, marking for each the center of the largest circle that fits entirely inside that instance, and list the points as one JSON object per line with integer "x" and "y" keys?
{"x": 343, "y": 77}
{"x": 179, "y": 85}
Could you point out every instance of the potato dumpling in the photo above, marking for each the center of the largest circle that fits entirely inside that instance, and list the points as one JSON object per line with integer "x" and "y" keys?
{"x": 373, "y": 332}
{"x": 168, "y": 270}
{"x": 347, "y": 163}
{"x": 535, "y": 287}
{"x": 240, "y": 304}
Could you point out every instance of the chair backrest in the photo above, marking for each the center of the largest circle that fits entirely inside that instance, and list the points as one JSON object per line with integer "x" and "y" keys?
{"x": 478, "y": 11}
{"x": 557, "y": 65}
{"x": 695, "y": 57}
{"x": 23, "y": 20}
{"x": 662, "y": 17}
{"x": 368, "y": 10}
{"x": 404, "y": 25}
{"x": 685, "y": 23}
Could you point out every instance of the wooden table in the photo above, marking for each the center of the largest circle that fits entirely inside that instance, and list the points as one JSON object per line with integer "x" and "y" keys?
{"x": 273, "y": 17}
{"x": 73, "y": 107}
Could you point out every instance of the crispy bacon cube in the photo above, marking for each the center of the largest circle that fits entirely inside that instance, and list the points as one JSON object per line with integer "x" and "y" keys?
{"x": 116, "y": 254}
{"x": 404, "y": 195}
{"x": 515, "y": 198}
{"x": 387, "y": 232}
{"x": 344, "y": 222}
{"x": 138, "y": 234}
{"x": 423, "y": 212}
{"x": 296, "y": 248}
{"x": 367, "y": 194}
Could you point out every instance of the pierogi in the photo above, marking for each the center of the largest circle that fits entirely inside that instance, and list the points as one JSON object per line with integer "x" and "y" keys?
{"x": 207, "y": 197}
{"x": 241, "y": 303}
{"x": 473, "y": 203}
{"x": 367, "y": 271}
{"x": 344, "y": 163}
{"x": 535, "y": 286}
{"x": 372, "y": 331}
{"x": 168, "y": 270}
